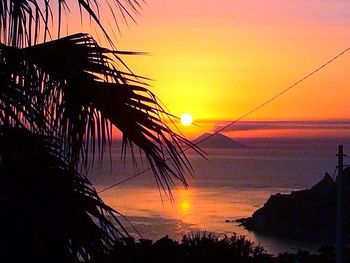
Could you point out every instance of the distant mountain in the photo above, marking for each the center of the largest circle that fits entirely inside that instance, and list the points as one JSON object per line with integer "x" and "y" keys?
{"x": 218, "y": 141}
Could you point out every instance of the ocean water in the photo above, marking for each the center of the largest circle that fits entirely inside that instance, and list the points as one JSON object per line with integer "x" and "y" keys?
{"x": 230, "y": 184}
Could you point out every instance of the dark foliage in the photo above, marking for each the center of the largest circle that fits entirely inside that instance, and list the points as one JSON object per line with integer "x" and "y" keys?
{"x": 193, "y": 248}
{"x": 71, "y": 89}
{"x": 59, "y": 99}
{"x": 326, "y": 254}
{"x": 201, "y": 248}
{"x": 48, "y": 212}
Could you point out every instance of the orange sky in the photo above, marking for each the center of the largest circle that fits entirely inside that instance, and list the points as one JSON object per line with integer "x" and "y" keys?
{"x": 219, "y": 59}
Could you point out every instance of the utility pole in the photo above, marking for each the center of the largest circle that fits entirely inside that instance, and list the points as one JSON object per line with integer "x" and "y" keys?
{"x": 340, "y": 210}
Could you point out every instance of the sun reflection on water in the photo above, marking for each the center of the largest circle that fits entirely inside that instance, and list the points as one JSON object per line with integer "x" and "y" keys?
{"x": 184, "y": 201}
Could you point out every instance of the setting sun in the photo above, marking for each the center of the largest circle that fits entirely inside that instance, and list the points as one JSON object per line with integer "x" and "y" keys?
{"x": 185, "y": 206}
{"x": 186, "y": 119}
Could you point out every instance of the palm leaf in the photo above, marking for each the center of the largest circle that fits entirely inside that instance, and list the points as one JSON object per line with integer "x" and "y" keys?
{"x": 58, "y": 103}
{"x": 83, "y": 92}
{"x": 47, "y": 208}
{"x": 22, "y": 21}
{"x": 19, "y": 92}
{"x": 96, "y": 92}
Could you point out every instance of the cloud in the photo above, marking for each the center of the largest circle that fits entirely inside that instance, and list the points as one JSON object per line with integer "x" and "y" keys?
{"x": 284, "y": 125}
{"x": 302, "y": 11}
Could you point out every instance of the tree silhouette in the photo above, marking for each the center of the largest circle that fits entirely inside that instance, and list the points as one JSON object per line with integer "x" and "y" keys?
{"x": 59, "y": 99}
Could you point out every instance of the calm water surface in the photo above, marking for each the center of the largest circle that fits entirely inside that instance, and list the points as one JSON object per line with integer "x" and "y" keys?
{"x": 231, "y": 184}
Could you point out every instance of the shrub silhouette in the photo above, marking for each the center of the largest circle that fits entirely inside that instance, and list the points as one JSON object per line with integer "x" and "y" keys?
{"x": 195, "y": 247}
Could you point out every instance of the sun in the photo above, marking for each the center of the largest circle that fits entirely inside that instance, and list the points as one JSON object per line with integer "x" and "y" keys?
{"x": 186, "y": 119}
{"x": 185, "y": 206}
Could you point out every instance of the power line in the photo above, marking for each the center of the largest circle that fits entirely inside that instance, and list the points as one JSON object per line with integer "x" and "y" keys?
{"x": 242, "y": 116}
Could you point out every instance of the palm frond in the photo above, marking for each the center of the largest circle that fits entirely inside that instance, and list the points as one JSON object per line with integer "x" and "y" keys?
{"x": 58, "y": 103}
{"x": 82, "y": 93}
{"x": 20, "y": 92}
{"x": 23, "y": 21}
{"x": 47, "y": 208}
{"x": 96, "y": 93}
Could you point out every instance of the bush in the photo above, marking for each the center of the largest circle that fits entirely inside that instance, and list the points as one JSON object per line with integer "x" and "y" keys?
{"x": 195, "y": 247}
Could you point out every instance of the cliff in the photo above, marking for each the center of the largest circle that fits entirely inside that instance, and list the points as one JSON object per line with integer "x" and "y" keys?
{"x": 309, "y": 213}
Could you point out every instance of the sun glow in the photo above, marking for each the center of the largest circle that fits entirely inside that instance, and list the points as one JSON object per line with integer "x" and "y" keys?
{"x": 185, "y": 206}
{"x": 184, "y": 202}
{"x": 186, "y": 119}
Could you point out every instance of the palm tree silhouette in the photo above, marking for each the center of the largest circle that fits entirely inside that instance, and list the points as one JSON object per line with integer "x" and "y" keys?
{"x": 59, "y": 99}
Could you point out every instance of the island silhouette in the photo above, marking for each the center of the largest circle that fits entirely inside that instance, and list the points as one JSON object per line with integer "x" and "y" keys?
{"x": 217, "y": 141}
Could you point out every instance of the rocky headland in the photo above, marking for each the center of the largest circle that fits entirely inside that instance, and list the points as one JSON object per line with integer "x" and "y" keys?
{"x": 309, "y": 213}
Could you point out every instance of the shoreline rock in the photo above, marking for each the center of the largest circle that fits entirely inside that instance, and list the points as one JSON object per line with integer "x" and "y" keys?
{"x": 306, "y": 214}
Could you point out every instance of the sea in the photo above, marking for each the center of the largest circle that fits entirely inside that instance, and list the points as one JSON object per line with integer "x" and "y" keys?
{"x": 226, "y": 185}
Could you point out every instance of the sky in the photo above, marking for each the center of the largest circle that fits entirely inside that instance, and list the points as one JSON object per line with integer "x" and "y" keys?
{"x": 217, "y": 60}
